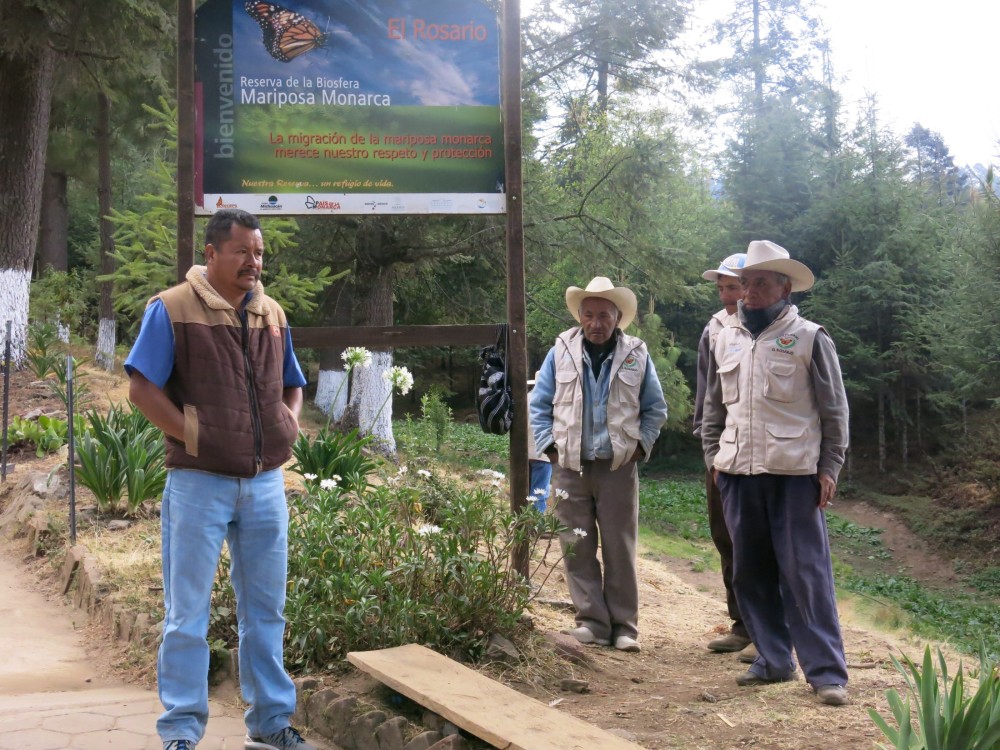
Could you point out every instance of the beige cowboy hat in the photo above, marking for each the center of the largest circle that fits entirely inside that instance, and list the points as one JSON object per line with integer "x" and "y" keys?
{"x": 601, "y": 287}
{"x": 729, "y": 267}
{"x": 763, "y": 255}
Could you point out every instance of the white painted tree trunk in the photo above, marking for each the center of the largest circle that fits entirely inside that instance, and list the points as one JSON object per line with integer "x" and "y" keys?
{"x": 62, "y": 331}
{"x": 105, "y": 356}
{"x": 14, "y": 287}
{"x": 329, "y": 386}
{"x": 369, "y": 392}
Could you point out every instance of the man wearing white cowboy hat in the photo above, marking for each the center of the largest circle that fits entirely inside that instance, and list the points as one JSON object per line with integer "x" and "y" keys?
{"x": 727, "y": 282}
{"x": 596, "y": 410}
{"x": 774, "y": 430}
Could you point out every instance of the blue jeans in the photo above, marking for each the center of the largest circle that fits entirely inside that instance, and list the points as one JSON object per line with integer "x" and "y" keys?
{"x": 540, "y": 476}
{"x": 199, "y": 511}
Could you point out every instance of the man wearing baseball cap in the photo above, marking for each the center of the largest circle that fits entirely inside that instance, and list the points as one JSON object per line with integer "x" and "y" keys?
{"x": 775, "y": 433}
{"x": 727, "y": 282}
{"x": 596, "y": 410}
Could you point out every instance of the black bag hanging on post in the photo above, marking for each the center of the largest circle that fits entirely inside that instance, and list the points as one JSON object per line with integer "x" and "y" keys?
{"x": 493, "y": 399}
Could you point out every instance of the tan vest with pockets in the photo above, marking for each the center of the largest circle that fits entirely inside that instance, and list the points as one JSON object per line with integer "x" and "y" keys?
{"x": 772, "y": 423}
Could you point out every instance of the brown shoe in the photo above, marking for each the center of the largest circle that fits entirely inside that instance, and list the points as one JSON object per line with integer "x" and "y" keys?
{"x": 749, "y": 655}
{"x": 729, "y": 643}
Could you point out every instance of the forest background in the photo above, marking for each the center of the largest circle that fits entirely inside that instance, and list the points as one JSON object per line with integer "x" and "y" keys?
{"x": 905, "y": 244}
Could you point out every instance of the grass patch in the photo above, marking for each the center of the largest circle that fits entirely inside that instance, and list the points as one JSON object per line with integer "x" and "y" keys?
{"x": 657, "y": 545}
{"x": 963, "y": 620}
{"x": 466, "y": 446}
{"x": 674, "y": 507}
{"x": 859, "y": 541}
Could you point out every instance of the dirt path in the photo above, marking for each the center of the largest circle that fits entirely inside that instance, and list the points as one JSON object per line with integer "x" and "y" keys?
{"x": 677, "y": 694}
{"x": 44, "y": 645}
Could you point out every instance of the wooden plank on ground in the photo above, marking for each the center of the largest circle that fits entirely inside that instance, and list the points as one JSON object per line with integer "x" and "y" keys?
{"x": 486, "y": 708}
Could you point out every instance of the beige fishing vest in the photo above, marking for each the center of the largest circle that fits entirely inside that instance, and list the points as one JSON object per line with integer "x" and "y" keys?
{"x": 772, "y": 423}
{"x": 628, "y": 368}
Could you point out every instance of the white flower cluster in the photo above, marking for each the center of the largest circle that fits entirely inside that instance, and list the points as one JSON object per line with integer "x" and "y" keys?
{"x": 491, "y": 474}
{"x": 428, "y": 528}
{"x": 399, "y": 378}
{"x": 356, "y": 356}
{"x": 424, "y": 473}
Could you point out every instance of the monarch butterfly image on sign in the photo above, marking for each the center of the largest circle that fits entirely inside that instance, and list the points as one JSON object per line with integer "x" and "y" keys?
{"x": 287, "y": 34}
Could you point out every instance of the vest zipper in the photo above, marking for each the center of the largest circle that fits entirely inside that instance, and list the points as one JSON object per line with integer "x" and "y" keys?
{"x": 252, "y": 391}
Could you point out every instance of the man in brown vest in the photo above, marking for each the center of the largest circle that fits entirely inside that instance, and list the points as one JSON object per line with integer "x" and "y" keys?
{"x": 213, "y": 367}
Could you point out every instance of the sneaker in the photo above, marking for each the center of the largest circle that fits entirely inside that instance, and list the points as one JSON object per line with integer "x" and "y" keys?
{"x": 178, "y": 745}
{"x": 287, "y": 739}
{"x": 627, "y": 643}
{"x": 832, "y": 695}
{"x": 749, "y": 679}
{"x": 586, "y": 636}
{"x": 748, "y": 655}
{"x": 730, "y": 643}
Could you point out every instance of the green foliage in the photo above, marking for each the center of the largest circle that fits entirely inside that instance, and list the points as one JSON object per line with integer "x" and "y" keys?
{"x": 987, "y": 581}
{"x": 947, "y": 719}
{"x": 334, "y": 456}
{"x": 44, "y": 349}
{"x": 674, "y": 508}
{"x": 467, "y": 445}
{"x": 861, "y": 540}
{"x": 436, "y": 414}
{"x": 963, "y": 620}
{"x": 66, "y": 298}
{"x": 121, "y": 460}
{"x": 369, "y": 571}
{"x": 65, "y": 367}
{"x": 45, "y": 434}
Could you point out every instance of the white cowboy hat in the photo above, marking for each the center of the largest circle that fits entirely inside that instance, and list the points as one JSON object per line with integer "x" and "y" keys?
{"x": 763, "y": 255}
{"x": 729, "y": 267}
{"x": 601, "y": 287}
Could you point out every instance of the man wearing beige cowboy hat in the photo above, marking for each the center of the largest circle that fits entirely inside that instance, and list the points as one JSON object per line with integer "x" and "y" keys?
{"x": 774, "y": 430}
{"x": 596, "y": 410}
{"x": 727, "y": 283}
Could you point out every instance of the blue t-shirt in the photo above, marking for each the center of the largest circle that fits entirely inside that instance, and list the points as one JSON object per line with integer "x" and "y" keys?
{"x": 153, "y": 351}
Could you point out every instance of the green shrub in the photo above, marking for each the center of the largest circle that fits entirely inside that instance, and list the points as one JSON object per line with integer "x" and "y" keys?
{"x": 334, "y": 456}
{"x": 437, "y": 414}
{"x": 121, "y": 460}
{"x": 44, "y": 350}
{"x": 947, "y": 719}
{"x": 368, "y": 571}
{"x": 60, "y": 385}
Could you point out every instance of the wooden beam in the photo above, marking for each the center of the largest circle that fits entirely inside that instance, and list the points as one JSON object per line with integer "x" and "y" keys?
{"x": 517, "y": 354}
{"x": 185, "y": 137}
{"x": 486, "y": 708}
{"x": 377, "y": 337}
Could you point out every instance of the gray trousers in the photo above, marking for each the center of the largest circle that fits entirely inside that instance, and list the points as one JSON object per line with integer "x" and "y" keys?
{"x": 605, "y": 505}
{"x": 783, "y": 576}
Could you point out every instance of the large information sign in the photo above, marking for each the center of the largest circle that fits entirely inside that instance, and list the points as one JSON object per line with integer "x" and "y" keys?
{"x": 348, "y": 106}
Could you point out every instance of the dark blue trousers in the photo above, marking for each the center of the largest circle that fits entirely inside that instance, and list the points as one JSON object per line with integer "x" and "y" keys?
{"x": 783, "y": 575}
